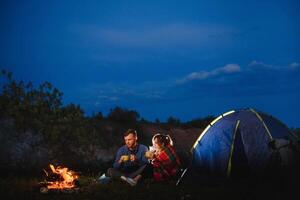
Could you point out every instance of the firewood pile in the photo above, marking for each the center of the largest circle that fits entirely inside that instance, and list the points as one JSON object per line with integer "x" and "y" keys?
{"x": 60, "y": 180}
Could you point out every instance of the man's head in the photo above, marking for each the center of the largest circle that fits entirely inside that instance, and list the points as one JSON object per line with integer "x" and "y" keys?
{"x": 130, "y": 138}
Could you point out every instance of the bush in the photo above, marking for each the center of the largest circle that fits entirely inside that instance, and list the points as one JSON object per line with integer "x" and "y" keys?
{"x": 123, "y": 115}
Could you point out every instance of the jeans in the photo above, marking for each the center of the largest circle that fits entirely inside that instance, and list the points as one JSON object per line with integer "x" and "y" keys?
{"x": 117, "y": 173}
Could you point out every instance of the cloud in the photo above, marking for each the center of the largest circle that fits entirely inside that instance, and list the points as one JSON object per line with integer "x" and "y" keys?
{"x": 294, "y": 65}
{"x": 119, "y": 93}
{"x": 255, "y": 63}
{"x": 177, "y": 34}
{"x": 227, "y": 69}
{"x": 261, "y": 65}
{"x": 121, "y": 45}
{"x": 263, "y": 80}
{"x": 228, "y": 82}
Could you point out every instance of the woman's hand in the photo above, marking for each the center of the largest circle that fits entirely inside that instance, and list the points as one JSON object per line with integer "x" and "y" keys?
{"x": 150, "y": 154}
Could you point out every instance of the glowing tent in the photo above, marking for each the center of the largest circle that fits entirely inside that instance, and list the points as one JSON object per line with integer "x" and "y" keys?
{"x": 243, "y": 141}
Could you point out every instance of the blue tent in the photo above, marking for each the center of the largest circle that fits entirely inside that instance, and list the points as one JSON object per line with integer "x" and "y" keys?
{"x": 242, "y": 141}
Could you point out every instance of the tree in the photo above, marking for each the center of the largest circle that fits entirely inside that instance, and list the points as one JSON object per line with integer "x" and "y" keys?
{"x": 201, "y": 122}
{"x": 173, "y": 121}
{"x": 143, "y": 120}
{"x": 31, "y": 108}
{"x": 157, "y": 121}
{"x": 99, "y": 116}
{"x": 123, "y": 115}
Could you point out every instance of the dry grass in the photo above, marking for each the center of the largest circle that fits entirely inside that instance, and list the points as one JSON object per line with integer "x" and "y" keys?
{"x": 28, "y": 188}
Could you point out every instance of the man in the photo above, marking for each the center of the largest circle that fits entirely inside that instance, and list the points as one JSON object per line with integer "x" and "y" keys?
{"x": 130, "y": 160}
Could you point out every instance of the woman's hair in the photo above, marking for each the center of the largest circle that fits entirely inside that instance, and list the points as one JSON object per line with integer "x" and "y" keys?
{"x": 163, "y": 139}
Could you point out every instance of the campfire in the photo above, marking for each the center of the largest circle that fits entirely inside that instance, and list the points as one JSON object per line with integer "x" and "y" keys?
{"x": 59, "y": 179}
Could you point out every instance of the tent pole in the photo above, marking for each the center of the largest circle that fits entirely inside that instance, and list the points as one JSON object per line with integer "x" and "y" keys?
{"x": 231, "y": 149}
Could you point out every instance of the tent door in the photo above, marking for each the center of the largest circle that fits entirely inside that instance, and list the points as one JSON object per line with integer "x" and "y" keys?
{"x": 239, "y": 163}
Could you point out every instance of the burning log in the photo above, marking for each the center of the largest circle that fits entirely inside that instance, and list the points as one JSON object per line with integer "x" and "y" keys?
{"x": 60, "y": 179}
{"x": 45, "y": 190}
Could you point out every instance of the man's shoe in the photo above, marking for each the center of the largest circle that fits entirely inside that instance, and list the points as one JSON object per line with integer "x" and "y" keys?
{"x": 130, "y": 181}
{"x": 104, "y": 179}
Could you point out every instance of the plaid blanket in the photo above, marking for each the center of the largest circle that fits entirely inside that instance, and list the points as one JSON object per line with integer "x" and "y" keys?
{"x": 166, "y": 164}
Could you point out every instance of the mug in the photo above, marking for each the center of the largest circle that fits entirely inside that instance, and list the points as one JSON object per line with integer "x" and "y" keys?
{"x": 149, "y": 154}
{"x": 125, "y": 158}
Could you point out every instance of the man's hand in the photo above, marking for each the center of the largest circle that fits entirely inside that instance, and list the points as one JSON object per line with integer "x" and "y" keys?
{"x": 120, "y": 160}
{"x": 124, "y": 158}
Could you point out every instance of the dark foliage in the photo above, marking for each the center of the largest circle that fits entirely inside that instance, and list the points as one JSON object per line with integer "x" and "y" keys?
{"x": 200, "y": 123}
{"x": 123, "y": 115}
{"x": 37, "y": 128}
{"x": 173, "y": 121}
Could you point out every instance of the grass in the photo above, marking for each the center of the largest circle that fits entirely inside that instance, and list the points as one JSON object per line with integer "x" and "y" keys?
{"x": 28, "y": 188}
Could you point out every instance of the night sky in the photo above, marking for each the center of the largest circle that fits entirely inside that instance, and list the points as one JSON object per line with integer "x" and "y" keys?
{"x": 186, "y": 59}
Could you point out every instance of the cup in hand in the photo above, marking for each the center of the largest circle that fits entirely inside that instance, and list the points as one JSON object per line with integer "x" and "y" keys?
{"x": 149, "y": 154}
{"x": 125, "y": 158}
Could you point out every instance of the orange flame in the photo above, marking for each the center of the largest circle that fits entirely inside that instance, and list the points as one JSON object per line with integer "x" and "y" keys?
{"x": 68, "y": 176}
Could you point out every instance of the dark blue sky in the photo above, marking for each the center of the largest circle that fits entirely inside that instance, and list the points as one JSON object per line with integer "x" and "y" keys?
{"x": 187, "y": 59}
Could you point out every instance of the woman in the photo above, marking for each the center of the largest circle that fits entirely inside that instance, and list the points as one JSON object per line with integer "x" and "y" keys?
{"x": 165, "y": 161}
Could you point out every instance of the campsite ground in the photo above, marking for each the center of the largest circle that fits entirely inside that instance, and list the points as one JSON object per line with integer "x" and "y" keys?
{"x": 28, "y": 188}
